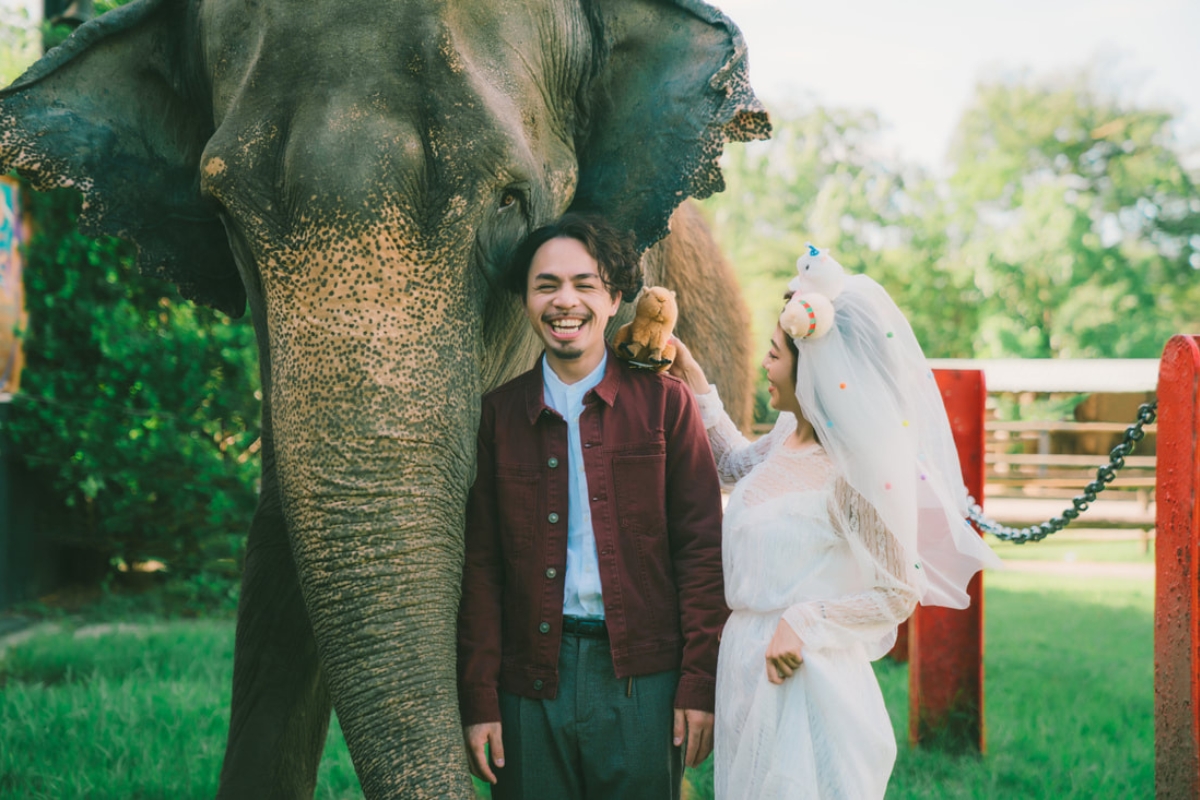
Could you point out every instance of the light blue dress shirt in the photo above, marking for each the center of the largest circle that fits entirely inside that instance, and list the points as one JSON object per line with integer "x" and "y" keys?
{"x": 582, "y": 596}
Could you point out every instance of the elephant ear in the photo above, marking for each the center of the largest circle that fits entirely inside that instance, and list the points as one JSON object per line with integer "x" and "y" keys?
{"x": 110, "y": 112}
{"x": 672, "y": 87}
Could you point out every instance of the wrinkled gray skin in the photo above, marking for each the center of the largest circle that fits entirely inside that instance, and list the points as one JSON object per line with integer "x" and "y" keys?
{"x": 357, "y": 172}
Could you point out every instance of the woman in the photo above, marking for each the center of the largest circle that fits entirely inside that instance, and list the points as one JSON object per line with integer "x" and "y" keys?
{"x": 849, "y": 512}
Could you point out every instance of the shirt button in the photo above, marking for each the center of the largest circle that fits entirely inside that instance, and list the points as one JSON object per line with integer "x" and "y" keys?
{"x": 587, "y": 444}
{"x": 544, "y": 627}
{"x": 553, "y": 517}
{"x": 537, "y": 685}
{"x": 552, "y": 463}
{"x": 595, "y": 497}
{"x": 551, "y": 573}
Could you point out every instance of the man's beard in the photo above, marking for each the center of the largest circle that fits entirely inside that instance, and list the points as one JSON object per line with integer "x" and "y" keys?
{"x": 568, "y": 355}
{"x": 566, "y": 351}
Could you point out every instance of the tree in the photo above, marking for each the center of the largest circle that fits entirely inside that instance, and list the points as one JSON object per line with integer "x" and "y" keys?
{"x": 1078, "y": 219}
{"x": 823, "y": 177}
{"x": 139, "y": 409}
{"x": 1069, "y": 227}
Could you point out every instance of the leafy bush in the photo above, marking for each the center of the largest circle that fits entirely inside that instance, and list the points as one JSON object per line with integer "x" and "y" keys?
{"x": 139, "y": 408}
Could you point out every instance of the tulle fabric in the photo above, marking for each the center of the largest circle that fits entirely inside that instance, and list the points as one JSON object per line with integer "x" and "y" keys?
{"x": 800, "y": 545}
{"x": 841, "y": 541}
{"x": 869, "y": 393}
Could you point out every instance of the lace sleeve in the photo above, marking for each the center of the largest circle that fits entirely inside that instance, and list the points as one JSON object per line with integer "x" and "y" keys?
{"x": 871, "y": 616}
{"x": 734, "y": 453}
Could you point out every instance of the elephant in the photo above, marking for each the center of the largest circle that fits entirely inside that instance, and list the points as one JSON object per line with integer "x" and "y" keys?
{"x": 357, "y": 175}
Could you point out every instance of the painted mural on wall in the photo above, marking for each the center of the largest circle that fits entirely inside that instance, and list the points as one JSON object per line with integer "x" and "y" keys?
{"x": 12, "y": 295}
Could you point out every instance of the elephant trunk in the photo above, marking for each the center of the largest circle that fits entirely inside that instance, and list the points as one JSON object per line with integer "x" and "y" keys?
{"x": 375, "y": 398}
{"x": 376, "y": 529}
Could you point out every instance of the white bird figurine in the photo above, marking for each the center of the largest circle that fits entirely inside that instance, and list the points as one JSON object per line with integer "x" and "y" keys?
{"x": 809, "y": 314}
{"x": 818, "y": 272}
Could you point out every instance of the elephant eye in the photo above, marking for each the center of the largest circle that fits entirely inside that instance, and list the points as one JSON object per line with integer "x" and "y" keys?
{"x": 509, "y": 199}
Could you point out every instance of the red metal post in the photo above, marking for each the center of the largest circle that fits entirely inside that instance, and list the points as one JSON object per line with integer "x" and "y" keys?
{"x": 1177, "y": 589}
{"x": 945, "y": 679}
{"x": 899, "y": 651}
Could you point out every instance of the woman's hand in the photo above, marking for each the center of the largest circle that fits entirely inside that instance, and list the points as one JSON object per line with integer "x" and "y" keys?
{"x": 685, "y": 368}
{"x": 783, "y": 653}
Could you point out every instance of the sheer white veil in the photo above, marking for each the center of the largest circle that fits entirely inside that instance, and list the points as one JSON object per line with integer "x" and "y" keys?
{"x": 865, "y": 386}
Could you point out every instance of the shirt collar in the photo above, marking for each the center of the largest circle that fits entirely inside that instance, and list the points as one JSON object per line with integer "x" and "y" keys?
{"x": 580, "y": 387}
{"x": 606, "y": 389}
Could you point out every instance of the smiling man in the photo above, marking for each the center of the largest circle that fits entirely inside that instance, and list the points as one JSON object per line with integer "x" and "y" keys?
{"x": 592, "y": 591}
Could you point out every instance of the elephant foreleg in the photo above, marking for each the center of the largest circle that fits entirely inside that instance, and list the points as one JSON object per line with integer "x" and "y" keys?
{"x": 281, "y": 705}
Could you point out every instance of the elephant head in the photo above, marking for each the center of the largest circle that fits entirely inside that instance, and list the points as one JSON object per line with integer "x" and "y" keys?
{"x": 357, "y": 173}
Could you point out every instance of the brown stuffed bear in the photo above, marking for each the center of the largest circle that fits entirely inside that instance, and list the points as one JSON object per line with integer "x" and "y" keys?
{"x": 646, "y": 341}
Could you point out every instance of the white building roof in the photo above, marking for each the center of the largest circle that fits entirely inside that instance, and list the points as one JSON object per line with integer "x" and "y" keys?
{"x": 1060, "y": 374}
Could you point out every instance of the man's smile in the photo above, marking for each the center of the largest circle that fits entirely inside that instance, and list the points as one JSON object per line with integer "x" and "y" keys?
{"x": 565, "y": 328}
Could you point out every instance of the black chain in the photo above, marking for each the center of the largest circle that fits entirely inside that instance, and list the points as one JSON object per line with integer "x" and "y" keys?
{"x": 1104, "y": 476}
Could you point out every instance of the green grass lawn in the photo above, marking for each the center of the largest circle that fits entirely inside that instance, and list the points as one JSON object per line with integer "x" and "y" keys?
{"x": 1078, "y": 549}
{"x": 1069, "y": 706}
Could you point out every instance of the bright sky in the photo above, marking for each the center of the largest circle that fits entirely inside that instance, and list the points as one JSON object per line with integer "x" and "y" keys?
{"x": 916, "y": 62}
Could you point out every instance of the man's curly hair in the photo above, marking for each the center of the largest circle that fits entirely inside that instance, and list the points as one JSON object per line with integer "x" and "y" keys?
{"x": 613, "y": 249}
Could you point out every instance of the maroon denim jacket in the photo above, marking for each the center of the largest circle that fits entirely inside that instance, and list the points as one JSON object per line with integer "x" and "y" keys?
{"x": 656, "y": 515}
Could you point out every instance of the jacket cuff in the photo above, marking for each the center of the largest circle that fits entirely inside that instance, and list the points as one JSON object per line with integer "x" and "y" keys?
{"x": 478, "y": 706}
{"x": 711, "y": 407}
{"x": 696, "y": 693}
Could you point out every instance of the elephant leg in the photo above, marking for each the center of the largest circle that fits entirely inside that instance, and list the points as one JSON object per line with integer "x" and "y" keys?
{"x": 281, "y": 704}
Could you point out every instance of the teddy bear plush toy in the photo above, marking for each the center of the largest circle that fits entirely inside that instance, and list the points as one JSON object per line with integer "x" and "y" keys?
{"x": 646, "y": 341}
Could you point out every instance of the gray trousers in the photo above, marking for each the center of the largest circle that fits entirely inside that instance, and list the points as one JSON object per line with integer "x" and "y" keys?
{"x": 600, "y": 739}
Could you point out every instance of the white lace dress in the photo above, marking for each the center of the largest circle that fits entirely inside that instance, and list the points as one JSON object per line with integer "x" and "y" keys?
{"x": 801, "y": 545}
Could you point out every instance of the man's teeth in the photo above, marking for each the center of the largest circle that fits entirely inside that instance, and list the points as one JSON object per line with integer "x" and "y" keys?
{"x": 566, "y": 325}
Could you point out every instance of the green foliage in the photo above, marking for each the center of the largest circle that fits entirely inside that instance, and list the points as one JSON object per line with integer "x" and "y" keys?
{"x": 1069, "y": 227}
{"x": 823, "y": 178}
{"x": 138, "y": 407}
{"x": 18, "y": 43}
{"x": 1082, "y": 225}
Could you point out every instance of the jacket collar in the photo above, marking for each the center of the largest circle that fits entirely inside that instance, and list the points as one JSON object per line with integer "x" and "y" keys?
{"x": 606, "y": 389}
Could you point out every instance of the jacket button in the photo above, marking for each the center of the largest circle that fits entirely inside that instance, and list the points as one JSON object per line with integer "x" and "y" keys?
{"x": 553, "y": 517}
{"x": 551, "y": 573}
{"x": 544, "y": 627}
{"x": 537, "y": 685}
{"x": 552, "y": 463}
{"x": 587, "y": 444}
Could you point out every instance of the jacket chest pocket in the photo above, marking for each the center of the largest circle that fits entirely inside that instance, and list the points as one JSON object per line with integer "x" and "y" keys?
{"x": 517, "y": 510}
{"x": 639, "y": 483}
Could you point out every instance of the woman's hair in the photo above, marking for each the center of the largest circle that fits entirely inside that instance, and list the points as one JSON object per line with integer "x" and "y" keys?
{"x": 613, "y": 249}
